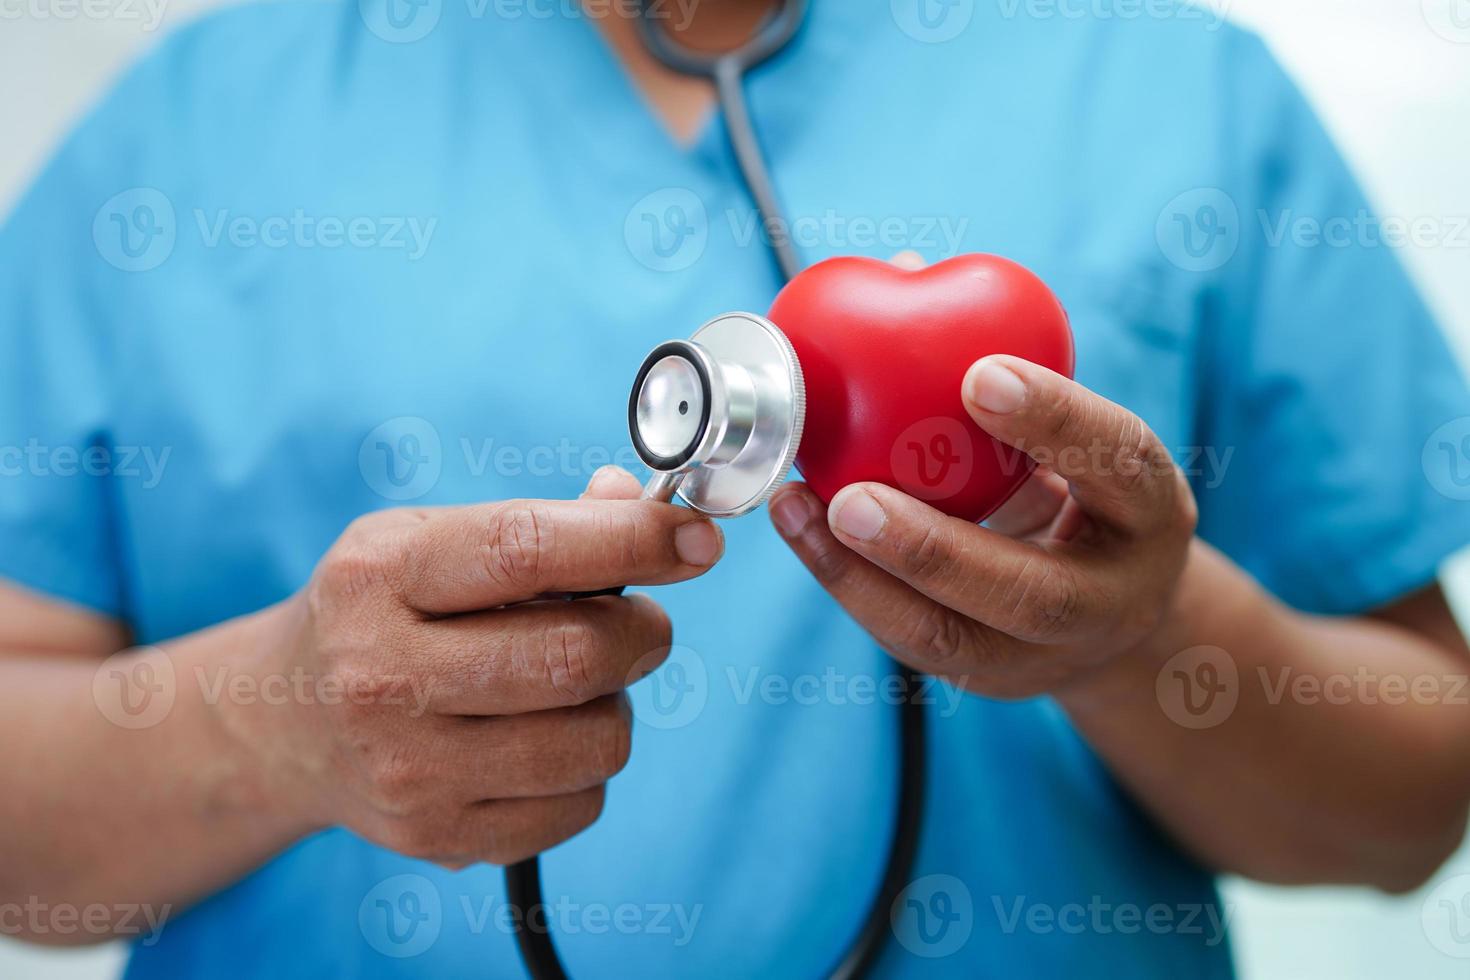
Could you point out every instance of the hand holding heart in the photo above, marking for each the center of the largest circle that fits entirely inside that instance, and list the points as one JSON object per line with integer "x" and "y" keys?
{"x": 1076, "y": 568}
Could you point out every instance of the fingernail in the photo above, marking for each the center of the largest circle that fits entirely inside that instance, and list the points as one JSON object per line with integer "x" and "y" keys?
{"x": 994, "y": 387}
{"x": 605, "y": 476}
{"x": 697, "y": 543}
{"x": 858, "y": 515}
{"x": 790, "y": 513}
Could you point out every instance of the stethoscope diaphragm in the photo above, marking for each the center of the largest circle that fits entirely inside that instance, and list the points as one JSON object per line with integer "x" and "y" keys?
{"x": 718, "y": 417}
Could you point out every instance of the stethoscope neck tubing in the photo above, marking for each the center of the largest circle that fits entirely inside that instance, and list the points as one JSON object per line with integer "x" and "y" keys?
{"x": 728, "y": 70}
{"x": 729, "y": 86}
{"x": 771, "y": 38}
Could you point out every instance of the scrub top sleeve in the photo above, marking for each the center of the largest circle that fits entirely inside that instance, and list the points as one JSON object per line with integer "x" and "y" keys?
{"x": 1337, "y": 413}
{"x": 68, "y": 277}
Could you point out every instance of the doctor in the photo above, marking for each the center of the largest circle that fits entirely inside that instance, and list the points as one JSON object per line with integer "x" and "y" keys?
{"x": 277, "y": 700}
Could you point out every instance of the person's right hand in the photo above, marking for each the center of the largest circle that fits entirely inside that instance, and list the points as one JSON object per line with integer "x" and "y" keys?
{"x": 476, "y": 721}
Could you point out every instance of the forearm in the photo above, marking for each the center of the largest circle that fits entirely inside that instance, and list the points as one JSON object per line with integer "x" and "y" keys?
{"x": 142, "y": 820}
{"x": 1345, "y": 759}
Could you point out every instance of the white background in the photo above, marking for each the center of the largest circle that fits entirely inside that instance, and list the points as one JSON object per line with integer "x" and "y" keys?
{"x": 1392, "y": 80}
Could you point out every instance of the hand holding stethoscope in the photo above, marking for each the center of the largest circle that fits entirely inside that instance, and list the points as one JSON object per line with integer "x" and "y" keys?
{"x": 718, "y": 418}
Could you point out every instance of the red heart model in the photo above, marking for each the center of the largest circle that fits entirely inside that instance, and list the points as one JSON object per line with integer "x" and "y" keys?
{"x": 884, "y": 351}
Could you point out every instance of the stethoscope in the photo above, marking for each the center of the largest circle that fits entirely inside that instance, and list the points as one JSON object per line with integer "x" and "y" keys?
{"x": 718, "y": 419}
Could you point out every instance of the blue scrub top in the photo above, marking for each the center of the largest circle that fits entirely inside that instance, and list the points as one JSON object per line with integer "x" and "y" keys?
{"x": 312, "y": 259}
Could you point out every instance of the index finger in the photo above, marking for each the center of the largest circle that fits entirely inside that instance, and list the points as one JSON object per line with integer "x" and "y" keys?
{"x": 1117, "y": 468}
{"x": 491, "y": 555}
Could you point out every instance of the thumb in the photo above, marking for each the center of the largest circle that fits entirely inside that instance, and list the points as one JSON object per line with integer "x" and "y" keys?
{"x": 612, "y": 483}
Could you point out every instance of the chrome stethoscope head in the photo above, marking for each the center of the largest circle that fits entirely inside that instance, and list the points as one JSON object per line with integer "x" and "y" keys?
{"x": 718, "y": 417}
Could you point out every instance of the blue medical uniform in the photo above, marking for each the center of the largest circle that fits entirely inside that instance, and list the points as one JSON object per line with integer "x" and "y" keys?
{"x": 310, "y": 259}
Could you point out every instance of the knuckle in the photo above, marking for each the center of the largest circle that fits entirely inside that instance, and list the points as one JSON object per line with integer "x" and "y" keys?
{"x": 654, "y": 628}
{"x": 363, "y": 527}
{"x": 1138, "y": 455}
{"x": 644, "y": 536}
{"x": 520, "y": 533}
{"x": 363, "y": 688}
{"x": 931, "y": 555}
{"x": 612, "y": 744}
{"x": 1062, "y": 421}
{"x": 1160, "y": 460}
{"x": 505, "y": 841}
{"x": 353, "y": 568}
{"x": 937, "y": 634}
{"x": 395, "y": 784}
{"x": 1186, "y": 508}
{"x": 572, "y": 666}
{"x": 1049, "y": 604}
{"x": 413, "y": 837}
{"x": 647, "y": 659}
{"x": 586, "y": 808}
{"x": 830, "y": 563}
{"x": 340, "y": 643}
{"x": 1142, "y": 462}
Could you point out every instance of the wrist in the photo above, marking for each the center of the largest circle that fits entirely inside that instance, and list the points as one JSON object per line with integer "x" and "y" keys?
{"x": 256, "y": 726}
{"x": 1211, "y": 600}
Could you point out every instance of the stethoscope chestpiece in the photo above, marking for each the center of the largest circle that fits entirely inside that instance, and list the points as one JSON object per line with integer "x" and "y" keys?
{"x": 719, "y": 416}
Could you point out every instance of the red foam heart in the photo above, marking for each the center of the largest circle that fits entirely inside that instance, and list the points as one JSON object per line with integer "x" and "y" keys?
{"x": 884, "y": 351}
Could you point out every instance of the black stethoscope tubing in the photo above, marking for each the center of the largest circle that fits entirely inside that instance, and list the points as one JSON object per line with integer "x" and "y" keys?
{"x": 727, "y": 70}
{"x": 523, "y": 880}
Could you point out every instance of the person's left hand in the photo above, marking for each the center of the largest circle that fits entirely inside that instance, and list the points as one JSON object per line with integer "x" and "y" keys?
{"x": 1078, "y": 567}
